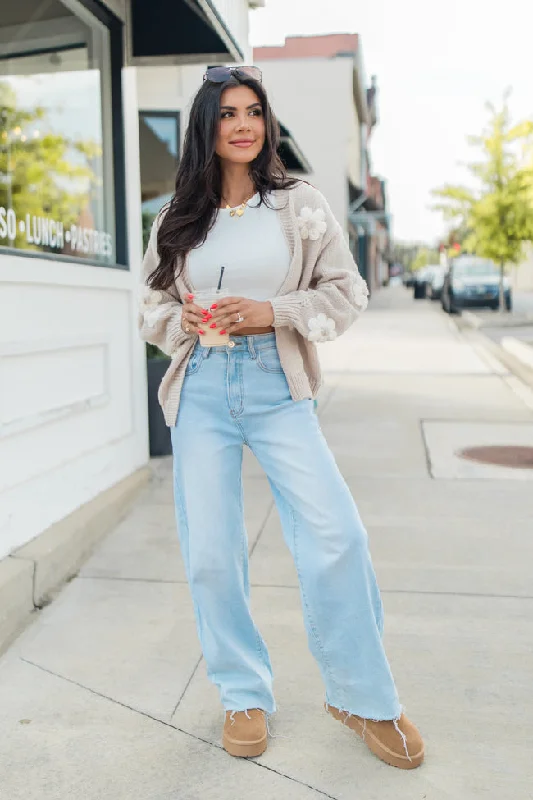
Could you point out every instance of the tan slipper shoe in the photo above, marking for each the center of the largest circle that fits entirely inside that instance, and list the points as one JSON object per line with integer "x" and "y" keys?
{"x": 398, "y": 743}
{"x": 245, "y": 733}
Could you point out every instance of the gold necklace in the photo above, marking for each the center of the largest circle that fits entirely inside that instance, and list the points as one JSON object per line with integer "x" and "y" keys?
{"x": 238, "y": 210}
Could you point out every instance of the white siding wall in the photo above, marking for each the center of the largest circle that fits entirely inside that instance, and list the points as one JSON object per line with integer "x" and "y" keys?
{"x": 73, "y": 417}
{"x": 313, "y": 98}
{"x": 354, "y": 148}
{"x": 235, "y": 15}
{"x": 168, "y": 88}
{"x": 72, "y": 377}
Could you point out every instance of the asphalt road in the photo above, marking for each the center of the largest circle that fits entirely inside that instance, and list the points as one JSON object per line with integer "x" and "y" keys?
{"x": 522, "y": 332}
{"x": 495, "y": 328}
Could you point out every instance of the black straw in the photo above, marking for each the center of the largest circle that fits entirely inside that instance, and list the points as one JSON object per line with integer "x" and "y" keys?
{"x": 220, "y": 279}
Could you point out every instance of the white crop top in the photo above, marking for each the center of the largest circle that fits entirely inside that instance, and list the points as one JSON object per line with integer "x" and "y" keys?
{"x": 252, "y": 248}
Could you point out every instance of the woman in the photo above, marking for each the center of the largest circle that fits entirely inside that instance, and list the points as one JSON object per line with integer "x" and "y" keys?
{"x": 293, "y": 283}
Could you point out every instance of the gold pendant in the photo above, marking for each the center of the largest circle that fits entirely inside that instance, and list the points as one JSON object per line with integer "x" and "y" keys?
{"x": 237, "y": 211}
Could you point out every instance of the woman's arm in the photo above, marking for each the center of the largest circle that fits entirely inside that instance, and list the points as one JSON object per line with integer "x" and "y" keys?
{"x": 159, "y": 311}
{"x": 337, "y": 293}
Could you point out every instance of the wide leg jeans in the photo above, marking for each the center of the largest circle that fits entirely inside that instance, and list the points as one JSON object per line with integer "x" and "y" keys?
{"x": 236, "y": 396}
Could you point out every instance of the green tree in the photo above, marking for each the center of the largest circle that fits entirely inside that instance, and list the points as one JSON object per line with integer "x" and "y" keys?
{"x": 496, "y": 215}
{"x": 423, "y": 257}
{"x": 42, "y": 172}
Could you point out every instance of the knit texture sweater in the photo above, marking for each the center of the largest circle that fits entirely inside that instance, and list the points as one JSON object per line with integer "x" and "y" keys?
{"x": 322, "y": 295}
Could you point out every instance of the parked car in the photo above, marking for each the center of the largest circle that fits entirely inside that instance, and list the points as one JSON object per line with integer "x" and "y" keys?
{"x": 436, "y": 283}
{"x": 473, "y": 282}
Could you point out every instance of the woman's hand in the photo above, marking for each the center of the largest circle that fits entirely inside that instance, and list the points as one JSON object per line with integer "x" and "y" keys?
{"x": 193, "y": 317}
{"x": 253, "y": 314}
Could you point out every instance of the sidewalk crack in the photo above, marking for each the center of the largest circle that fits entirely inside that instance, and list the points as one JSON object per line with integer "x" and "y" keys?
{"x": 295, "y": 780}
{"x": 175, "y": 727}
{"x": 193, "y": 673}
{"x": 295, "y": 588}
{"x": 425, "y": 445}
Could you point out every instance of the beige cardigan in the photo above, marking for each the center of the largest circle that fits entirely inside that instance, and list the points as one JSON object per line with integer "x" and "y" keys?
{"x": 321, "y": 297}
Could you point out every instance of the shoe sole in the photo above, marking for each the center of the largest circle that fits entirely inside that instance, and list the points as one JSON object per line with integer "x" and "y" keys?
{"x": 239, "y": 749}
{"x": 377, "y": 747}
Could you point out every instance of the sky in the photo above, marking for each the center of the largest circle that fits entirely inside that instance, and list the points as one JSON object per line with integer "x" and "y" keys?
{"x": 437, "y": 62}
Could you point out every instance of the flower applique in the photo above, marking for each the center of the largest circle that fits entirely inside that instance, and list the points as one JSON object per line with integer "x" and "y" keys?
{"x": 359, "y": 291}
{"x": 154, "y": 314}
{"x": 321, "y": 329}
{"x": 150, "y": 297}
{"x": 312, "y": 224}
{"x": 150, "y": 308}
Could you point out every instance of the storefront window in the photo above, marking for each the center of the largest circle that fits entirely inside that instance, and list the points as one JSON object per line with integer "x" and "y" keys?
{"x": 56, "y": 161}
{"x": 159, "y": 142}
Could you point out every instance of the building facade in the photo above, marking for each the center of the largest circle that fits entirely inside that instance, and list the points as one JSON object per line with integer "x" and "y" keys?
{"x": 319, "y": 87}
{"x": 370, "y": 229}
{"x": 73, "y": 418}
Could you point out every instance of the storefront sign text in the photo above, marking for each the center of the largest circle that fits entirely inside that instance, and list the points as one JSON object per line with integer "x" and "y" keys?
{"x": 46, "y": 232}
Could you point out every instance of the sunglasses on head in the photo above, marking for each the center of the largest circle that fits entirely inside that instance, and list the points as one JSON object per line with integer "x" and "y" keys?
{"x": 221, "y": 74}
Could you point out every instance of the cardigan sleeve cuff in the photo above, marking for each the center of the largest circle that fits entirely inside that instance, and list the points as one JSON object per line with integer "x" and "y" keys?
{"x": 175, "y": 333}
{"x": 287, "y": 311}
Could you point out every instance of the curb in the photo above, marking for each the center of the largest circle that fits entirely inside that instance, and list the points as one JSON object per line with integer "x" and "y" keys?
{"x": 520, "y": 350}
{"x": 471, "y": 319}
{"x": 514, "y": 354}
{"x": 509, "y": 361}
{"x": 31, "y": 576}
{"x": 508, "y": 320}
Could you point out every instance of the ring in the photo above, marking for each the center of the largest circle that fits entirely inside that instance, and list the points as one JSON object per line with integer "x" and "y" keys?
{"x": 240, "y": 318}
{"x": 187, "y": 329}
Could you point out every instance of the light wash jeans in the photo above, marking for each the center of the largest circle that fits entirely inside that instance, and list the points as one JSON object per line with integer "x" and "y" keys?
{"x": 239, "y": 396}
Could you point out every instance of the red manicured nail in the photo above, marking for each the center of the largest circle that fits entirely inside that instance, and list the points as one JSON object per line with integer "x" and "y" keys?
{"x": 222, "y": 332}
{"x": 190, "y": 297}
{"x": 213, "y": 325}
{"x": 204, "y": 319}
{"x": 209, "y": 316}
{"x": 214, "y": 306}
{"x": 201, "y": 332}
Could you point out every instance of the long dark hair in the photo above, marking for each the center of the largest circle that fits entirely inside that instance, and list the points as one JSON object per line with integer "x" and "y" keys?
{"x": 192, "y": 211}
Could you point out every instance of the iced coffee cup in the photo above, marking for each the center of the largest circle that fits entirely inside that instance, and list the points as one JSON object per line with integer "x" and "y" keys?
{"x": 205, "y": 299}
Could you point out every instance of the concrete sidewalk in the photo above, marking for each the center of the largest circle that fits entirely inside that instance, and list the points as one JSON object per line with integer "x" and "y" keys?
{"x": 106, "y": 697}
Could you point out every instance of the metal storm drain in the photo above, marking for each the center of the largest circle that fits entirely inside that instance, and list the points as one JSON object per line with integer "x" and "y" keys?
{"x": 512, "y": 456}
